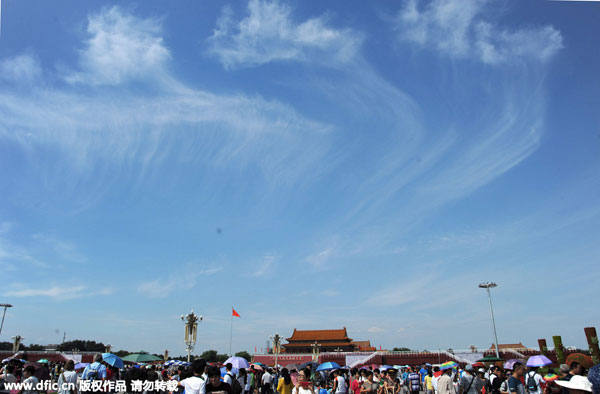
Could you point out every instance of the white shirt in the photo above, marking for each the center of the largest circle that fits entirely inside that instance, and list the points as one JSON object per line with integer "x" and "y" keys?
{"x": 267, "y": 378}
{"x": 194, "y": 385}
{"x": 67, "y": 377}
{"x": 227, "y": 379}
{"x": 434, "y": 381}
{"x": 538, "y": 379}
{"x": 9, "y": 377}
{"x": 33, "y": 380}
{"x": 341, "y": 385}
{"x": 301, "y": 390}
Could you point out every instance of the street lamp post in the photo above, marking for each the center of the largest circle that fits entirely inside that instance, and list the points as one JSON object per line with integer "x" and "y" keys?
{"x": 487, "y": 286}
{"x": 316, "y": 347}
{"x": 5, "y": 306}
{"x": 191, "y": 329}
{"x": 276, "y": 346}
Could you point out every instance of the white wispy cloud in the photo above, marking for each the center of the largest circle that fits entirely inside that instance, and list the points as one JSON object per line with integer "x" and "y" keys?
{"x": 122, "y": 128}
{"x": 120, "y": 47}
{"x": 266, "y": 265}
{"x": 65, "y": 293}
{"x": 375, "y": 329}
{"x": 459, "y": 29}
{"x": 268, "y": 33}
{"x": 58, "y": 292}
{"x": 65, "y": 249}
{"x": 320, "y": 260}
{"x": 184, "y": 279}
{"x": 21, "y": 68}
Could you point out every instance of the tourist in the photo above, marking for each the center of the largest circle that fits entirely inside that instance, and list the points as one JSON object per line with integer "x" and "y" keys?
{"x": 215, "y": 385}
{"x": 514, "y": 382}
{"x": 284, "y": 385}
{"x": 414, "y": 382}
{"x": 355, "y": 381}
{"x": 339, "y": 383}
{"x": 534, "y": 381}
{"x": 496, "y": 380}
{"x": 96, "y": 370}
{"x": 29, "y": 378}
{"x": 229, "y": 376}
{"x": 8, "y": 375}
{"x": 392, "y": 384}
{"x": 469, "y": 383}
{"x": 434, "y": 379}
{"x": 267, "y": 382}
{"x": 423, "y": 374}
{"x": 575, "y": 369}
{"x": 369, "y": 386}
{"x": 444, "y": 383}
{"x": 68, "y": 376}
{"x": 196, "y": 384}
{"x": 303, "y": 385}
{"x": 428, "y": 382}
{"x": 564, "y": 371}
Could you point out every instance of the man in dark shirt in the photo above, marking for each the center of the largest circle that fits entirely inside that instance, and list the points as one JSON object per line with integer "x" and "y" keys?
{"x": 514, "y": 382}
{"x": 214, "y": 383}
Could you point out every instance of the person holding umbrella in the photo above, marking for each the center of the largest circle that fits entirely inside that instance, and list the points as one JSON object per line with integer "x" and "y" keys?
{"x": 445, "y": 384}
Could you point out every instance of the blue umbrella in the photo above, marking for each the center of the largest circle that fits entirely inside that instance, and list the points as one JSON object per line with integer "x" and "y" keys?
{"x": 113, "y": 359}
{"x": 538, "y": 361}
{"x": 81, "y": 365}
{"x": 224, "y": 371}
{"x": 385, "y": 367}
{"x": 237, "y": 362}
{"x": 328, "y": 366}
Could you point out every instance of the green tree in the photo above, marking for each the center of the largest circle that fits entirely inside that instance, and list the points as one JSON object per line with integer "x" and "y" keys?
{"x": 222, "y": 357}
{"x": 6, "y": 346}
{"x": 82, "y": 345}
{"x": 245, "y": 355}
{"x": 34, "y": 347}
{"x": 209, "y": 356}
{"x": 401, "y": 349}
{"x": 122, "y": 353}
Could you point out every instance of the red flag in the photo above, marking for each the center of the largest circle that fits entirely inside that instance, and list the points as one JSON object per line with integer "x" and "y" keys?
{"x": 234, "y": 313}
{"x": 254, "y": 349}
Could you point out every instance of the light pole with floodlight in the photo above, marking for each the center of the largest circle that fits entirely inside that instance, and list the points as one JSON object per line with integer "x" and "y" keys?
{"x": 5, "y": 306}
{"x": 487, "y": 286}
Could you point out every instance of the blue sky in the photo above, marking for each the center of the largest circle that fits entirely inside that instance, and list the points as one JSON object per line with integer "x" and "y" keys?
{"x": 314, "y": 164}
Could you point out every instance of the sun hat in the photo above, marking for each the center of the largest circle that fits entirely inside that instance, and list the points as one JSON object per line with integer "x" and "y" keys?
{"x": 469, "y": 368}
{"x": 481, "y": 370}
{"x": 577, "y": 382}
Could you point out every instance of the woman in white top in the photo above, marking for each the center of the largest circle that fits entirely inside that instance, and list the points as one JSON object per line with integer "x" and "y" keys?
{"x": 304, "y": 385}
{"x": 67, "y": 380}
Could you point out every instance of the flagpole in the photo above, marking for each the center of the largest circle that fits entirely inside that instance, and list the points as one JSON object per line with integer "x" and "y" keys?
{"x": 231, "y": 333}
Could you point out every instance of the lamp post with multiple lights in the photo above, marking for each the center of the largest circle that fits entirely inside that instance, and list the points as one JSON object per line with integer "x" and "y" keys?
{"x": 191, "y": 329}
{"x": 487, "y": 286}
{"x": 276, "y": 338}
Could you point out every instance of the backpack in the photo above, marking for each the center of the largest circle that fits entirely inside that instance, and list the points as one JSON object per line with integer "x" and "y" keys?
{"x": 92, "y": 374}
{"x": 236, "y": 387}
{"x": 531, "y": 384}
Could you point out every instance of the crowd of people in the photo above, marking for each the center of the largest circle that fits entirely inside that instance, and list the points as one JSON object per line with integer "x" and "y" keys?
{"x": 202, "y": 378}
